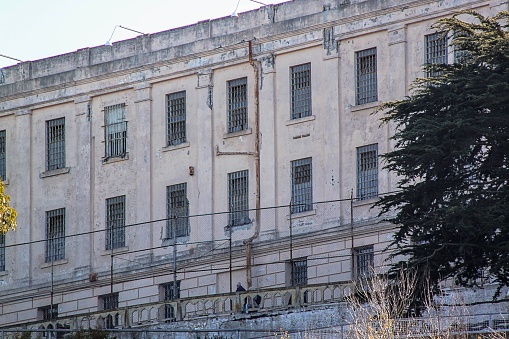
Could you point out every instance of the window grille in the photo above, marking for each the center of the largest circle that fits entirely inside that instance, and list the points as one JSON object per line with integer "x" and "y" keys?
{"x": 55, "y": 144}
{"x": 177, "y": 211}
{"x": 169, "y": 294}
{"x": 48, "y": 313}
{"x": 115, "y": 222}
{"x": 176, "y": 118}
{"x": 2, "y": 155}
{"x": 367, "y": 172}
{"x": 365, "y": 66}
{"x": 237, "y": 105}
{"x": 238, "y": 203}
{"x": 116, "y": 131}
{"x": 55, "y": 235}
{"x": 302, "y": 185}
{"x": 300, "y": 272}
{"x": 300, "y": 91}
{"x": 109, "y": 301}
{"x": 364, "y": 261}
{"x": 436, "y": 50}
{"x": 2, "y": 252}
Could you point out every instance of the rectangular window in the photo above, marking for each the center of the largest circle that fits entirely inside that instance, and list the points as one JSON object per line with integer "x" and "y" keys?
{"x": 108, "y": 301}
{"x": 2, "y": 252}
{"x": 55, "y": 235}
{"x": 237, "y": 105}
{"x": 238, "y": 202}
{"x": 300, "y": 88}
{"x": 176, "y": 118}
{"x": 299, "y": 272}
{"x": 436, "y": 50}
{"x": 177, "y": 211}
{"x": 168, "y": 293}
{"x": 367, "y": 172}
{"x": 302, "y": 185}
{"x": 364, "y": 261}
{"x": 55, "y": 144}
{"x": 3, "y": 172}
{"x": 115, "y": 131}
{"x": 48, "y": 313}
{"x": 365, "y": 67}
{"x": 115, "y": 222}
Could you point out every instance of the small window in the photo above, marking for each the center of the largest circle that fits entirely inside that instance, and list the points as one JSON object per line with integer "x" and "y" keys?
{"x": 55, "y": 235}
{"x": 238, "y": 198}
{"x": 367, "y": 172}
{"x": 115, "y": 222}
{"x": 364, "y": 262}
{"x": 176, "y": 118}
{"x": 299, "y": 272}
{"x": 169, "y": 293}
{"x": 366, "y": 77}
{"x": 302, "y": 185}
{"x": 436, "y": 50}
{"x": 55, "y": 144}
{"x": 108, "y": 301}
{"x": 2, "y": 252}
{"x": 48, "y": 313}
{"x": 115, "y": 131}
{"x": 237, "y": 105}
{"x": 300, "y": 88}
{"x": 177, "y": 211}
{"x": 3, "y": 172}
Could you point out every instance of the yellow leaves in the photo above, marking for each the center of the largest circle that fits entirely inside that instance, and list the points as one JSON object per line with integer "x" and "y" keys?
{"x": 7, "y": 214}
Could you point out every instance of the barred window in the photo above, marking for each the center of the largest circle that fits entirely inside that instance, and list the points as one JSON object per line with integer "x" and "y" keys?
{"x": 168, "y": 293}
{"x": 2, "y": 252}
{"x": 299, "y": 272}
{"x": 177, "y": 211}
{"x": 116, "y": 131}
{"x": 115, "y": 222}
{"x": 3, "y": 172}
{"x": 176, "y": 118}
{"x": 48, "y": 313}
{"x": 367, "y": 172}
{"x": 238, "y": 202}
{"x": 55, "y": 144}
{"x": 55, "y": 235}
{"x": 237, "y": 105}
{"x": 302, "y": 185}
{"x": 109, "y": 301}
{"x": 300, "y": 88}
{"x": 365, "y": 67}
{"x": 436, "y": 50}
{"x": 364, "y": 261}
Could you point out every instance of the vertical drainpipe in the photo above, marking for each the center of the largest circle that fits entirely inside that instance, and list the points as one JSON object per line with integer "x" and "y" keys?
{"x": 248, "y": 242}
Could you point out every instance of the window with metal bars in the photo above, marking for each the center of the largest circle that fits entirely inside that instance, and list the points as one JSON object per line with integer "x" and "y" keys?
{"x": 115, "y": 222}
{"x": 299, "y": 272}
{"x": 115, "y": 131}
{"x": 364, "y": 261}
{"x": 367, "y": 172}
{"x": 176, "y": 118}
{"x": 109, "y": 301}
{"x": 238, "y": 198}
{"x": 55, "y": 144}
{"x": 300, "y": 91}
{"x": 302, "y": 185}
{"x": 366, "y": 77}
{"x": 168, "y": 294}
{"x": 55, "y": 235}
{"x": 2, "y": 252}
{"x": 3, "y": 172}
{"x": 237, "y": 105}
{"x": 48, "y": 313}
{"x": 436, "y": 50}
{"x": 177, "y": 211}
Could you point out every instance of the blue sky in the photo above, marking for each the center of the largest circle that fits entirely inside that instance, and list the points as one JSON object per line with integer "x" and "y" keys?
{"x": 36, "y": 29}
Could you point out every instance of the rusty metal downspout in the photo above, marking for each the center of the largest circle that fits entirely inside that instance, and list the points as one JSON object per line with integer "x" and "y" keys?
{"x": 249, "y": 241}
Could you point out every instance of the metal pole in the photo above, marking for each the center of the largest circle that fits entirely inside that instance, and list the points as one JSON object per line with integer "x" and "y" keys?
{"x": 291, "y": 244}
{"x": 230, "y": 250}
{"x": 351, "y": 235}
{"x": 174, "y": 257}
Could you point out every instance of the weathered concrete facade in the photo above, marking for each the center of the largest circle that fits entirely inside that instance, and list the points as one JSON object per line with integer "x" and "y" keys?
{"x": 261, "y": 46}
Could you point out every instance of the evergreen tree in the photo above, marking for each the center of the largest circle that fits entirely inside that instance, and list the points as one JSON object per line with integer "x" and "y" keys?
{"x": 452, "y": 158}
